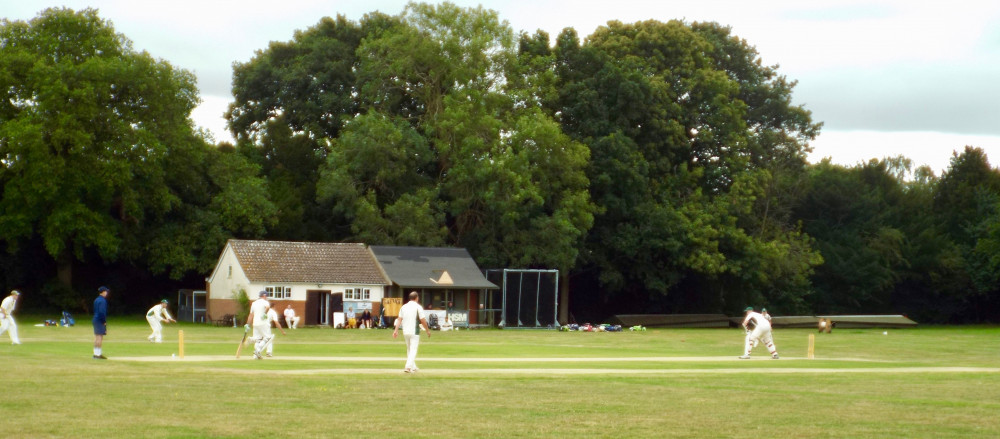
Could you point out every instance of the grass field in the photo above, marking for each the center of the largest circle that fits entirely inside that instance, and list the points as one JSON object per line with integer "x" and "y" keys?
{"x": 932, "y": 382}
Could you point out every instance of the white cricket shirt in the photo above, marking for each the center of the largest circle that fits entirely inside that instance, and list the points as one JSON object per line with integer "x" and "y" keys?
{"x": 259, "y": 309}
{"x": 410, "y": 315}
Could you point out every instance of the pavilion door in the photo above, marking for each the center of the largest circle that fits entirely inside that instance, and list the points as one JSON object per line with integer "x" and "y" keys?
{"x": 336, "y": 305}
{"x": 317, "y": 304}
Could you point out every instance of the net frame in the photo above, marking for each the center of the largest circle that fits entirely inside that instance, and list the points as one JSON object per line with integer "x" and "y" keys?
{"x": 520, "y": 294}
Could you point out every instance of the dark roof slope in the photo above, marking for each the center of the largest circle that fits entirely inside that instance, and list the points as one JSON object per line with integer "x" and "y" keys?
{"x": 319, "y": 262}
{"x": 425, "y": 267}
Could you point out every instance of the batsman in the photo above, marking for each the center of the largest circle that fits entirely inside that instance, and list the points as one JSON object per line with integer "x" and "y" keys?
{"x": 757, "y": 328}
{"x": 260, "y": 323}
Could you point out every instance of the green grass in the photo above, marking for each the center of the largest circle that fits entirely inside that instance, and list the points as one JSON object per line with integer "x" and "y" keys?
{"x": 504, "y": 384}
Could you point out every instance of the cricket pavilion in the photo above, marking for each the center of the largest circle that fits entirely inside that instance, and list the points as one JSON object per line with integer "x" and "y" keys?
{"x": 449, "y": 282}
{"x": 321, "y": 281}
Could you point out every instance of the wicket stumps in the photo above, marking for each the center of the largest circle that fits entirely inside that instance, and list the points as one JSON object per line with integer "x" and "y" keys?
{"x": 812, "y": 344}
{"x": 180, "y": 343}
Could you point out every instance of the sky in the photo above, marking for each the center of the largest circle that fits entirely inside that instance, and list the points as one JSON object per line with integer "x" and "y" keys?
{"x": 885, "y": 77}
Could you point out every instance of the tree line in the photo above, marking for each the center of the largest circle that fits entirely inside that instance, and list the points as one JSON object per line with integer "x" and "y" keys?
{"x": 660, "y": 166}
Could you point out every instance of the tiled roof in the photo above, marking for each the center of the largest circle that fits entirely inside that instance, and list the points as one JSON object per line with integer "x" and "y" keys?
{"x": 426, "y": 267}
{"x": 312, "y": 262}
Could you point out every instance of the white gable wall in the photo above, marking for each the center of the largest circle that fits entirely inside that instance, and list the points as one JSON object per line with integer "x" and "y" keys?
{"x": 228, "y": 277}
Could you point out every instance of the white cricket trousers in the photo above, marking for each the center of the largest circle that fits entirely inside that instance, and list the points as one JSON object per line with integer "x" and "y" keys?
{"x": 262, "y": 338}
{"x": 8, "y": 325}
{"x": 157, "y": 335}
{"x": 412, "y": 343}
{"x": 270, "y": 341}
{"x": 763, "y": 333}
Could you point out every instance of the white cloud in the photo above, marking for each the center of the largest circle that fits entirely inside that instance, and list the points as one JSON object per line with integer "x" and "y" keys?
{"x": 209, "y": 115}
{"x": 820, "y": 35}
{"x": 956, "y": 98}
{"x": 933, "y": 149}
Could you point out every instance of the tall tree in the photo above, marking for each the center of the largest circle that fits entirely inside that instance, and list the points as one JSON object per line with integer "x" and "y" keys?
{"x": 221, "y": 196}
{"x": 897, "y": 242}
{"x": 291, "y": 100}
{"x": 305, "y": 85}
{"x": 475, "y": 168}
{"x": 380, "y": 177}
{"x": 98, "y": 155}
{"x": 853, "y": 214}
{"x": 687, "y": 131}
{"x": 966, "y": 198}
{"x": 85, "y": 124}
{"x": 957, "y": 195}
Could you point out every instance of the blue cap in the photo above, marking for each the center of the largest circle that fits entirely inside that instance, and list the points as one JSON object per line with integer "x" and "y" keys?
{"x": 749, "y": 308}
{"x": 102, "y": 289}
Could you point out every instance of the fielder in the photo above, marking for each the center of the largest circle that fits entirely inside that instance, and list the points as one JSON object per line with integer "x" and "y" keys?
{"x": 156, "y": 316}
{"x": 7, "y": 323}
{"x": 411, "y": 318}
{"x": 272, "y": 317}
{"x": 260, "y": 323}
{"x": 758, "y": 328}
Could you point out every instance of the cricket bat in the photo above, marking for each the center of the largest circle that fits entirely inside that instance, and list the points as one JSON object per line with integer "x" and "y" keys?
{"x": 246, "y": 331}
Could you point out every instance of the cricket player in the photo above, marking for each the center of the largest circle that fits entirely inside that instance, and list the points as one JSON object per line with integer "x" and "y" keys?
{"x": 758, "y": 328}
{"x": 156, "y": 316}
{"x": 291, "y": 320}
{"x": 260, "y": 323}
{"x": 100, "y": 322}
{"x": 7, "y": 323}
{"x": 763, "y": 312}
{"x": 411, "y": 319}
{"x": 272, "y": 317}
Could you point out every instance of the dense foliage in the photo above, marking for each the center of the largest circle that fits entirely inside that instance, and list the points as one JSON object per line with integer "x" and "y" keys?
{"x": 661, "y": 166}
{"x": 99, "y": 160}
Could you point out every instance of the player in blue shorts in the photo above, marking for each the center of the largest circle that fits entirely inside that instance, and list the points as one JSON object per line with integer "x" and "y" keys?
{"x": 100, "y": 321}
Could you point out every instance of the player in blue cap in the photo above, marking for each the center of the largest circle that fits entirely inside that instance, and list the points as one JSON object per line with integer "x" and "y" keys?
{"x": 100, "y": 322}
